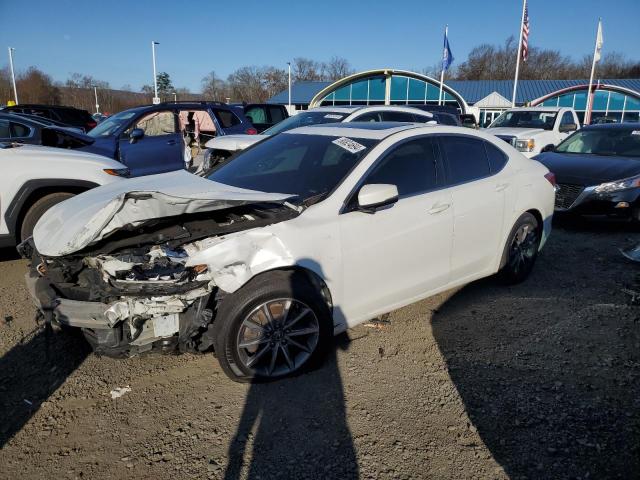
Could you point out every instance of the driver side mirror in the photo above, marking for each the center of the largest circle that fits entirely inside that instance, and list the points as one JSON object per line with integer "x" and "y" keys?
{"x": 548, "y": 148}
{"x": 568, "y": 127}
{"x": 135, "y": 135}
{"x": 373, "y": 196}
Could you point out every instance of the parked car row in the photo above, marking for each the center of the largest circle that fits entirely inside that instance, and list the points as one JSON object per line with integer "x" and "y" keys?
{"x": 276, "y": 245}
{"x": 220, "y": 148}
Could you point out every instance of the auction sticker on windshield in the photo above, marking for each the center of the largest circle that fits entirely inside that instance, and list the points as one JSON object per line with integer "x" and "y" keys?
{"x": 349, "y": 145}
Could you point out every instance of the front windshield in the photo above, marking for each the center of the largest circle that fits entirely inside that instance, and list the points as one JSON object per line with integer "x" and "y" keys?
{"x": 603, "y": 141}
{"x": 526, "y": 119}
{"x": 304, "y": 119}
{"x": 303, "y": 165}
{"x": 111, "y": 125}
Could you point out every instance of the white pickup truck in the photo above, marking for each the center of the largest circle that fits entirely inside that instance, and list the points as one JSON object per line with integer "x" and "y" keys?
{"x": 532, "y": 129}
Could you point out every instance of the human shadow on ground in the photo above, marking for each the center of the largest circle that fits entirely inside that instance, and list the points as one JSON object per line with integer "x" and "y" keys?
{"x": 549, "y": 374}
{"x": 296, "y": 427}
{"x": 32, "y": 371}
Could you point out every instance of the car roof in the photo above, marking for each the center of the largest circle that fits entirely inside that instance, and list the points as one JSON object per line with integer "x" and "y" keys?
{"x": 184, "y": 105}
{"x": 373, "y": 130}
{"x": 614, "y": 126}
{"x": 537, "y": 109}
{"x": 22, "y": 119}
{"x": 341, "y": 109}
{"x": 394, "y": 108}
{"x": 38, "y": 105}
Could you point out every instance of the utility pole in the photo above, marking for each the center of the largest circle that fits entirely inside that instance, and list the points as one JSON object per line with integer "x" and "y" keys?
{"x": 95, "y": 92}
{"x": 13, "y": 75}
{"x": 156, "y": 99}
{"x": 289, "y": 64}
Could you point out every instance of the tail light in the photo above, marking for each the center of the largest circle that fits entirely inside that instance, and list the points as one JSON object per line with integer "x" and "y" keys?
{"x": 251, "y": 131}
{"x": 551, "y": 177}
{"x": 91, "y": 125}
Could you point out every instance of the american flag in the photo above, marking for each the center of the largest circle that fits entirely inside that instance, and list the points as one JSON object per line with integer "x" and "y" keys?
{"x": 525, "y": 33}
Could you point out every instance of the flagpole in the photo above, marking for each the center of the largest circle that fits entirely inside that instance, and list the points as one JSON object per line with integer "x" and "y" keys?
{"x": 587, "y": 113}
{"x": 515, "y": 82}
{"x": 446, "y": 32}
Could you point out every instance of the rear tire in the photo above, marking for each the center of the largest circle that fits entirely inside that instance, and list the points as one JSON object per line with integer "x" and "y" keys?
{"x": 521, "y": 250}
{"x": 251, "y": 324}
{"x": 38, "y": 209}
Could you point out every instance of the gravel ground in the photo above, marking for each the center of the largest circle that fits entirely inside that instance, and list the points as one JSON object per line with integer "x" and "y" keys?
{"x": 540, "y": 380}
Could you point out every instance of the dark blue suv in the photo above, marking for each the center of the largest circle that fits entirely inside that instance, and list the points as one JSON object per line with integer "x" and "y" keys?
{"x": 164, "y": 137}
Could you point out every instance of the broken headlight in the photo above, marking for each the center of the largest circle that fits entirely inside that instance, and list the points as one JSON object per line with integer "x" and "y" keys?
{"x": 616, "y": 185}
{"x": 525, "y": 145}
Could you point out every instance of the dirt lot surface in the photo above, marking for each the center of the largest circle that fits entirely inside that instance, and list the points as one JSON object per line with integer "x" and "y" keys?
{"x": 541, "y": 380}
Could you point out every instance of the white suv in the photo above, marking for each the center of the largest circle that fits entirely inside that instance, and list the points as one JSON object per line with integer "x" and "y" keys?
{"x": 34, "y": 178}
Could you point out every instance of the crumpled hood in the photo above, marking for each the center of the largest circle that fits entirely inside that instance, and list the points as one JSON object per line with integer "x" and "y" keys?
{"x": 84, "y": 219}
{"x": 519, "y": 133}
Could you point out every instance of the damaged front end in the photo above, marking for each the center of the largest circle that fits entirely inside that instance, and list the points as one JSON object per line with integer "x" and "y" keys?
{"x": 156, "y": 285}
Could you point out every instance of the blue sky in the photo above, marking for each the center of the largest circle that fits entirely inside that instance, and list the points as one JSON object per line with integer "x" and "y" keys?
{"x": 110, "y": 40}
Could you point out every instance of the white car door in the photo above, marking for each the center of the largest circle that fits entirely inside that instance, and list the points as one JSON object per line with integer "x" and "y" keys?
{"x": 478, "y": 205}
{"x": 402, "y": 251}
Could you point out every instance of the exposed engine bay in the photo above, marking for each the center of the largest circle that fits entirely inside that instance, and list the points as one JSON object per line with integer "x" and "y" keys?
{"x": 156, "y": 285}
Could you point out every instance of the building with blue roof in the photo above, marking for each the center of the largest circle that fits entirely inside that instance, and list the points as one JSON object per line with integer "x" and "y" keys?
{"x": 616, "y": 99}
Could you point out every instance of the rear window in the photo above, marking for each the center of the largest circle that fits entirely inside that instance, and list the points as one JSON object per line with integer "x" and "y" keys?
{"x": 227, "y": 118}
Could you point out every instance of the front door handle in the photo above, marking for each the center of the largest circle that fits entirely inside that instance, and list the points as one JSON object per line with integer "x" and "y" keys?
{"x": 171, "y": 142}
{"x": 439, "y": 207}
{"x": 501, "y": 186}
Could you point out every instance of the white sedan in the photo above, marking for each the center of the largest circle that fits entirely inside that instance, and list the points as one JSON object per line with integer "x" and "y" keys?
{"x": 308, "y": 233}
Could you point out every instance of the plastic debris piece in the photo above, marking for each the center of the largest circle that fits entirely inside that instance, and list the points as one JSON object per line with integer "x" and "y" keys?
{"x": 120, "y": 391}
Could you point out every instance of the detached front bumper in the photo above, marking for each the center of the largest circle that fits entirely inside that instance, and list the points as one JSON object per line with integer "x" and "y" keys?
{"x": 71, "y": 313}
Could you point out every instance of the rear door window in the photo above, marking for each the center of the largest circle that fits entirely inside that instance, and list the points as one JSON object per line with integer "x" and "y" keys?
{"x": 466, "y": 158}
{"x": 411, "y": 166}
{"x": 158, "y": 123}
{"x": 226, "y": 118}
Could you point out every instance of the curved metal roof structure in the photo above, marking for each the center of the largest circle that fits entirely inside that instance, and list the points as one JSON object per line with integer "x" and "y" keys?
{"x": 387, "y": 73}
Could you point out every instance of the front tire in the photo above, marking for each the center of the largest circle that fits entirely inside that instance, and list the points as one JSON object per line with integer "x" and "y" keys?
{"x": 38, "y": 209}
{"x": 275, "y": 325}
{"x": 521, "y": 250}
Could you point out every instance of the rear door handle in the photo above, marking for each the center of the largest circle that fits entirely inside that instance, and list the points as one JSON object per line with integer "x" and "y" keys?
{"x": 501, "y": 186}
{"x": 171, "y": 142}
{"x": 439, "y": 207}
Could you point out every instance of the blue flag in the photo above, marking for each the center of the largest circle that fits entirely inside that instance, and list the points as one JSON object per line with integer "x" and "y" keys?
{"x": 447, "y": 56}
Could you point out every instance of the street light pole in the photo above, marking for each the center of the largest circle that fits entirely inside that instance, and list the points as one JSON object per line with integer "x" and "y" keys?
{"x": 95, "y": 92}
{"x": 13, "y": 75}
{"x": 175, "y": 97}
{"x": 289, "y": 64}
{"x": 156, "y": 100}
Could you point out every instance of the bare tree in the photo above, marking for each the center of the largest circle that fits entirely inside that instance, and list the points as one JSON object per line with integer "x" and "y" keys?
{"x": 214, "y": 88}
{"x": 336, "y": 68}
{"x": 305, "y": 69}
